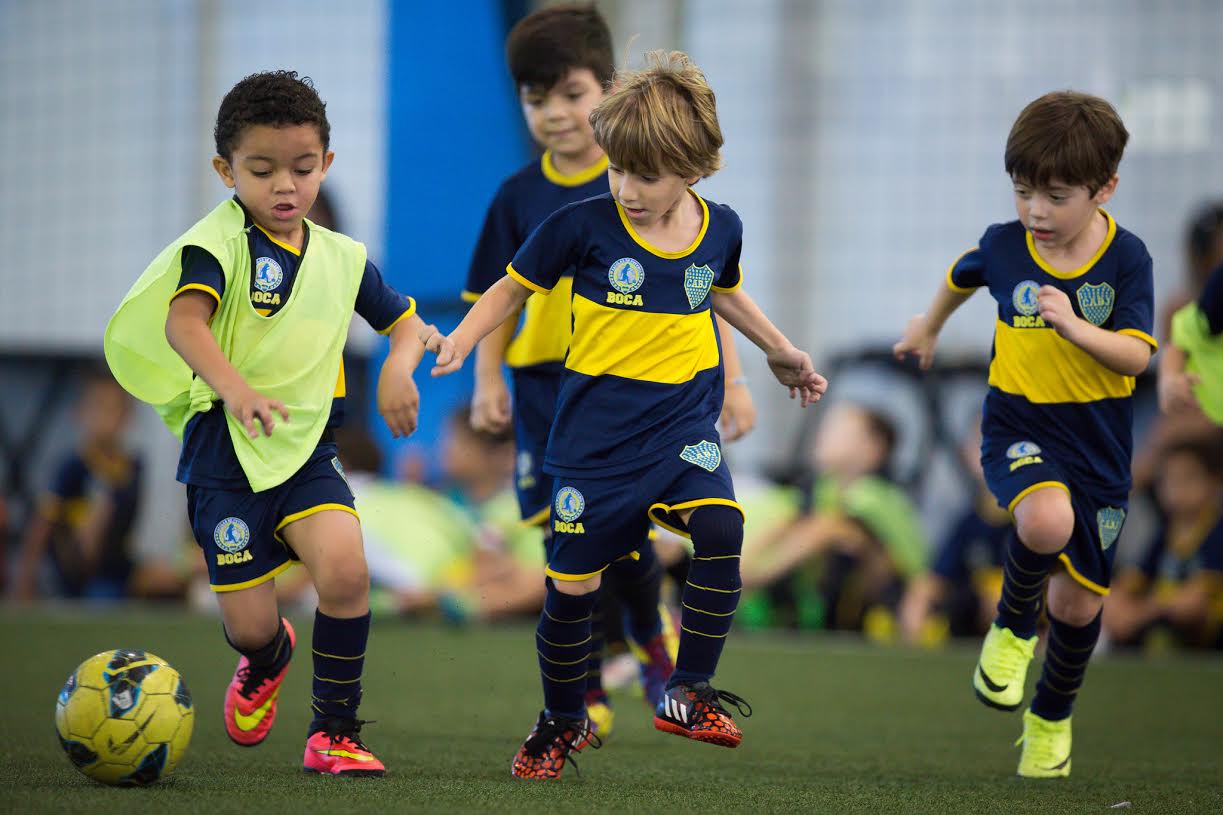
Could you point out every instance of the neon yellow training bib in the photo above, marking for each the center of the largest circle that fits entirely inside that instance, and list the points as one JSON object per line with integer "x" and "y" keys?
{"x": 293, "y": 355}
{"x": 1191, "y": 333}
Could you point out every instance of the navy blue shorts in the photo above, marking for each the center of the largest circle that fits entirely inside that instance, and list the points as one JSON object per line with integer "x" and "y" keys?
{"x": 596, "y": 521}
{"x": 1016, "y": 466}
{"x": 535, "y": 393}
{"x": 239, "y": 530}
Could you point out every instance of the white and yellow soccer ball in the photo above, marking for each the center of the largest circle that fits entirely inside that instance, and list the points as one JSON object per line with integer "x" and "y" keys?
{"x": 124, "y": 718}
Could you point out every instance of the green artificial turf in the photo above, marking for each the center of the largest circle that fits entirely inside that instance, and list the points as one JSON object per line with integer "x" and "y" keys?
{"x": 840, "y": 727}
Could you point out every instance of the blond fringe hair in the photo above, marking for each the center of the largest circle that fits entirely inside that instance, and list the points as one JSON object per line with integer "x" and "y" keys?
{"x": 661, "y": 118}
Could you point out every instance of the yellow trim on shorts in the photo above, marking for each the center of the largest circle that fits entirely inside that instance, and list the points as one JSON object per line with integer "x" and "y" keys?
{"x": 1074, "y": 573}
{"x": 1039, "y": 485}
{"x": 571, "y": 578}
{"x": 305, "y": 513}
{"x": 246, "y": 584}
{"x": 699, "y": 502}
{"x": 538, "y": 518}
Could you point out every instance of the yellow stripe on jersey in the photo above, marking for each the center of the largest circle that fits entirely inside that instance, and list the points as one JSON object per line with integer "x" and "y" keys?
{"x": 642, "y": 345}
{"x": 288, "y": 247}
{"x": 1086, "y": 267}
{"x": 1042, "y": 367}
{"x": 548, "y": 167}
{"x": 341, "y": 387}
{"x": 544, "y": 336}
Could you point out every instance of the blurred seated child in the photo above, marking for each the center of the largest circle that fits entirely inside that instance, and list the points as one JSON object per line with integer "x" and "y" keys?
{"x": 958, "y": 595}
{"x": 862, "y": 534}
{"x": 1177, "y": 588}
{"x": 82, "y": 526}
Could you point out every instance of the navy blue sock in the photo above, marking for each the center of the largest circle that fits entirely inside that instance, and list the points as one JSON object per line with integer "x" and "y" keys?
{"x": 339, "y": 655}
{"x": 1024, "y": 575}
{"x": 637, "y": 584}
{"x": 598, "y": 644}
{"x": 562, "y": 641}
{"x": 1066, "y": 659}
{"x": 270, "y": 658}
{"x": 711, "y": 594}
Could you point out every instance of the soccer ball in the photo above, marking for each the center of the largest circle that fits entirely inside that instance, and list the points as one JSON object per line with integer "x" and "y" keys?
{"x": 124, "y": 718}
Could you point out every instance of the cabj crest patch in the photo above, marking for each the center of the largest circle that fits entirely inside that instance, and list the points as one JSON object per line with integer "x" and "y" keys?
{"x": 705, "y": 455}
{"x": 697, "y": 280}
{"x": 1109, "y": 520}
{"x": 1096, "y": 302}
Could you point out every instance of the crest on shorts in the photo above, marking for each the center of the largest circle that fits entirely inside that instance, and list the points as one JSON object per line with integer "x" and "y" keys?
{"x": 1109, "y": 520}
{"x": 705, "y": 455}
{"x": 697, "y": 280}
{"x": 231, "y": 535}
{"x": 1022, "y": 449}
{"x": 1096, "y": 302}
{"x": 626, "y": 275}
{"x": 268, "y": 274}
{"x": 569, "y": 504}
{"x": 1023, "y": 298}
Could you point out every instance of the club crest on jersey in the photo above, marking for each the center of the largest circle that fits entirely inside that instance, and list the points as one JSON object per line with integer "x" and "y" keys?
{"x": 705, "y": 455}
{"x": 1022, "y": 449}
{"x": 697, "y": 280}
{"x": 569, "y": 504}
{"x": 626, "y": 275}
{"x": 268, "y": 274}
{"x": 1096, "y": 302}
{"x": 1109, "y": 521}
{"x": 1024, "y": 298}
{"x": 231, "y": 535}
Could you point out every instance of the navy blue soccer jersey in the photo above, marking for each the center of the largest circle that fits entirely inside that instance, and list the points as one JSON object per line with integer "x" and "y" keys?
{"x": 644, "y": 366}
{"x": 1042, "y": 386}
{"x": 521, "y": 204}
{"x": 208, "y": 458}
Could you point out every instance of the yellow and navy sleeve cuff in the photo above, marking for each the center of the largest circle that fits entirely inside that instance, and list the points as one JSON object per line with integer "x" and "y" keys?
{"x": 951, "y": 284}
{"x": 533, "y": 286}
{"x": 734, "y": 288}
{"x": 411, "y": 310}
{"x": 1142, "y": 335}
{"x": 197, "y": 287}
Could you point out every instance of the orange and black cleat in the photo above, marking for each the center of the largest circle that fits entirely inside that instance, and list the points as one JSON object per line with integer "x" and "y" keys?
{"x": 337, "y": 749}
{"x": 250, "y": 699}
{"x": 695, "y": 711}
{"x": 548, "y": 746}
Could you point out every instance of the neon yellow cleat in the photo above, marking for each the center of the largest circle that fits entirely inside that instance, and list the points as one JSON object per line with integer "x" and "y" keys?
{"x": 1046, "y": 747}
{"x": 602, "y": 717}
{"x": 1002, "y": 668}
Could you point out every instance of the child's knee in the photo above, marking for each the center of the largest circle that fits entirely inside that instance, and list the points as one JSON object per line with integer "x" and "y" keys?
{"x": 1045, "y": 521}
{"x": 576, "y": 588}
{"x": 1072, "y": 603}
{"x": 717, "y": 531}
{"x": 343, "y": 581}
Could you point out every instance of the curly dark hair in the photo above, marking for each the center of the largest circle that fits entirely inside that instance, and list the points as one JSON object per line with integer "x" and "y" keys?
{"x": 276, "y": 98}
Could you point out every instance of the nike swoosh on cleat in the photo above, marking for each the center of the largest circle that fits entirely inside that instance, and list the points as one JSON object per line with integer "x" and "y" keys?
{"x": 1059, "y": 766}
{"x": 989, "y": 683}
{"x": 345, "y": 754}
{"x": 248, "y": 722}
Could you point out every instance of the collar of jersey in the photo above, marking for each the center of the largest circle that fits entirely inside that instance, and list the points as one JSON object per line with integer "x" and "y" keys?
{"x": 700, "y": 236}
{"x": 574, "y": 180}
{"x": 1086, "y": 267}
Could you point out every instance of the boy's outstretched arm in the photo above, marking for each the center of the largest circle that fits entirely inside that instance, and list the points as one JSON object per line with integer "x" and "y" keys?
{"x": 1175, "y": 383}
{"x": 1121, "y": 353}
{"x": 921, "y": 333}
{"x": 398, "y": 398}
{"x": 791, "y": 366}
{"x": 188, "y": 334}
{"x": 490, "y": 403}
{"x": 493, "y": 308}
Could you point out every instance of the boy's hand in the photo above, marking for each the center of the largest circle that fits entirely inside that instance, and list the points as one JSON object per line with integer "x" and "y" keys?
{"x": 490, "y": 405}
{"x": 738, "y": 412}
{"x": 1056, "y": 310}
{"x": 398, "y": 398}
{"x": 449, "y": 357}
{"x": 793, "y": 369}
{"x": 1176, "y": 393}
{"x": 250, "y": 405}
{"x": 917, "y": 341}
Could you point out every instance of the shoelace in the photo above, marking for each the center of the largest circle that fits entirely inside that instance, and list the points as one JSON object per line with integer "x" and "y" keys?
{"x": 713, "y": 697}
{"x": 1010, "y": 658}
{"x": 251, "y": 680}
{"x": 550, "y": 732}
{"x": 350, "y": 730}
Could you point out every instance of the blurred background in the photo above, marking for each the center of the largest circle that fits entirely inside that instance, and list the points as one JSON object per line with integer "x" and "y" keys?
{"x": 863, "y": 151}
